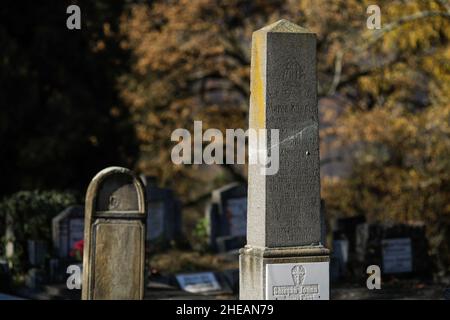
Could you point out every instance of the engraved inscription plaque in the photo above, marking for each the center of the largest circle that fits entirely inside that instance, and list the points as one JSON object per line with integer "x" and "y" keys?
{"x": 397, "y": 255}
{"x": 297, "y": 281}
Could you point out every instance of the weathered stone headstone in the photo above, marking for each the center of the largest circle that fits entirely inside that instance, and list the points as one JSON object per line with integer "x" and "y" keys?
{"x": 340, "y": 255}
{"x": 345, "y": 238}
{"x": 114, "y": 236}
{"x": 397, "y": 255}
{"x": 399, "y": 249}
{"x": 348, "y": 226}
{"x": 67, "y": 229}
{"x": 284, "y": 257}
{"x": 362, "y": 235}
{"x": 227, "y": 216}
{"x": 164, "y": 219}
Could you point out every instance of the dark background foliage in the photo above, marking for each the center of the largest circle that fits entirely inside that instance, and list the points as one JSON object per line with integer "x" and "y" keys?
{"x": 60, "y": 117}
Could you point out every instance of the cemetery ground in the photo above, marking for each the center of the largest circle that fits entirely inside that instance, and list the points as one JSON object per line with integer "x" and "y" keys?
{"x": 393, "y": 288}
{"x": 164, "y": 266}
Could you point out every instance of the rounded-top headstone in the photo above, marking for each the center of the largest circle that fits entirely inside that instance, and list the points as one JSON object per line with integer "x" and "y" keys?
{"x": 113, "y": 265}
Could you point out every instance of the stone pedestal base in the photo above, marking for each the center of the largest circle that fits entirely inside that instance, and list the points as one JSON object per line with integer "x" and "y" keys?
{"x": 291, "y": 273}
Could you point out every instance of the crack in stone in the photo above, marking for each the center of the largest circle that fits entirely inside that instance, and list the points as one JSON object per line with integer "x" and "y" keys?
{"x": 294, "y": 136}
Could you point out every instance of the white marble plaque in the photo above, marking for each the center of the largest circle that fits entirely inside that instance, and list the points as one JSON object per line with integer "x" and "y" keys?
{"x": 237, "y": 214}
{"x": 155, "y": 220}
{"x": 198, "y": 282}
{"x": 397, "y": 255}
{"x": 298, "y": 281}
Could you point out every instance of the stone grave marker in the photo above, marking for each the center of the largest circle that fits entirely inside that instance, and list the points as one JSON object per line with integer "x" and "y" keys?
{"x": 114, "y": 236}
{"x": 200, "y": 282}
{"x": 67, "y": 229}
{"x": 414, "y": 239}
{"x": 349, "y": 227}
{"x": 227, "y": 216}
{"x": 397, "y": 255}
{"x": 164, "y": 219}
{"x": 346, "y": 251}
{"x": 362, "y": 234}
{"x": 340, "y": 255}
{"x": 399, "y": 249}
{"x": 284, "y": 257}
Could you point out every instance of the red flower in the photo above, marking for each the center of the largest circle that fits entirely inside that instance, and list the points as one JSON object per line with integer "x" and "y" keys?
{"x": 79, "y": 245}
{"x": 77, "y": 250}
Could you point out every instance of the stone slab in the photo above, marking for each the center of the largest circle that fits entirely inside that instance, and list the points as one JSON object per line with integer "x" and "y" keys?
{"x": 114, "y": 237}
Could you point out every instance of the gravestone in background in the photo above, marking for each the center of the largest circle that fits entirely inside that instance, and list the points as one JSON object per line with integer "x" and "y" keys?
{"x": 227, "y": 216}
{"x": 362, "y": 234}
{"x": 399, "y": 249}
{"x": 213, "y": 224}
{"x": 36, "y": 275}
{"x": 114, "y": 237}
{"x": 164, "y": 217}
{"x": 348, "y": 226}
{"x": 346, "y": 259}
{"x": 397, "y": 255}
{"x": 339, "y": 257}
{"x": 67, "y": 229}
{"x": 284, "y": 257}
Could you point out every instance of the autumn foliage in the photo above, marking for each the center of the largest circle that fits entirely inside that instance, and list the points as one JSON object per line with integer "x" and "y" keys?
{"x": 389, "y": 88}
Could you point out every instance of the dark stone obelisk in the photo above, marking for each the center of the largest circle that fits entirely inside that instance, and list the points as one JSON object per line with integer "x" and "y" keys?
{"x": 284, "y": 257}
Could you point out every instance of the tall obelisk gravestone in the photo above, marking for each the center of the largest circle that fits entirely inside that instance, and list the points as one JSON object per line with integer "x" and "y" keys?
{"x": 114, "y": 237}
{"x": 284, "y": 257}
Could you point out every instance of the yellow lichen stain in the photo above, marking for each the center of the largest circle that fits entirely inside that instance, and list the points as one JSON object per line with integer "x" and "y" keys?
{"x": 257, "y": 82}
